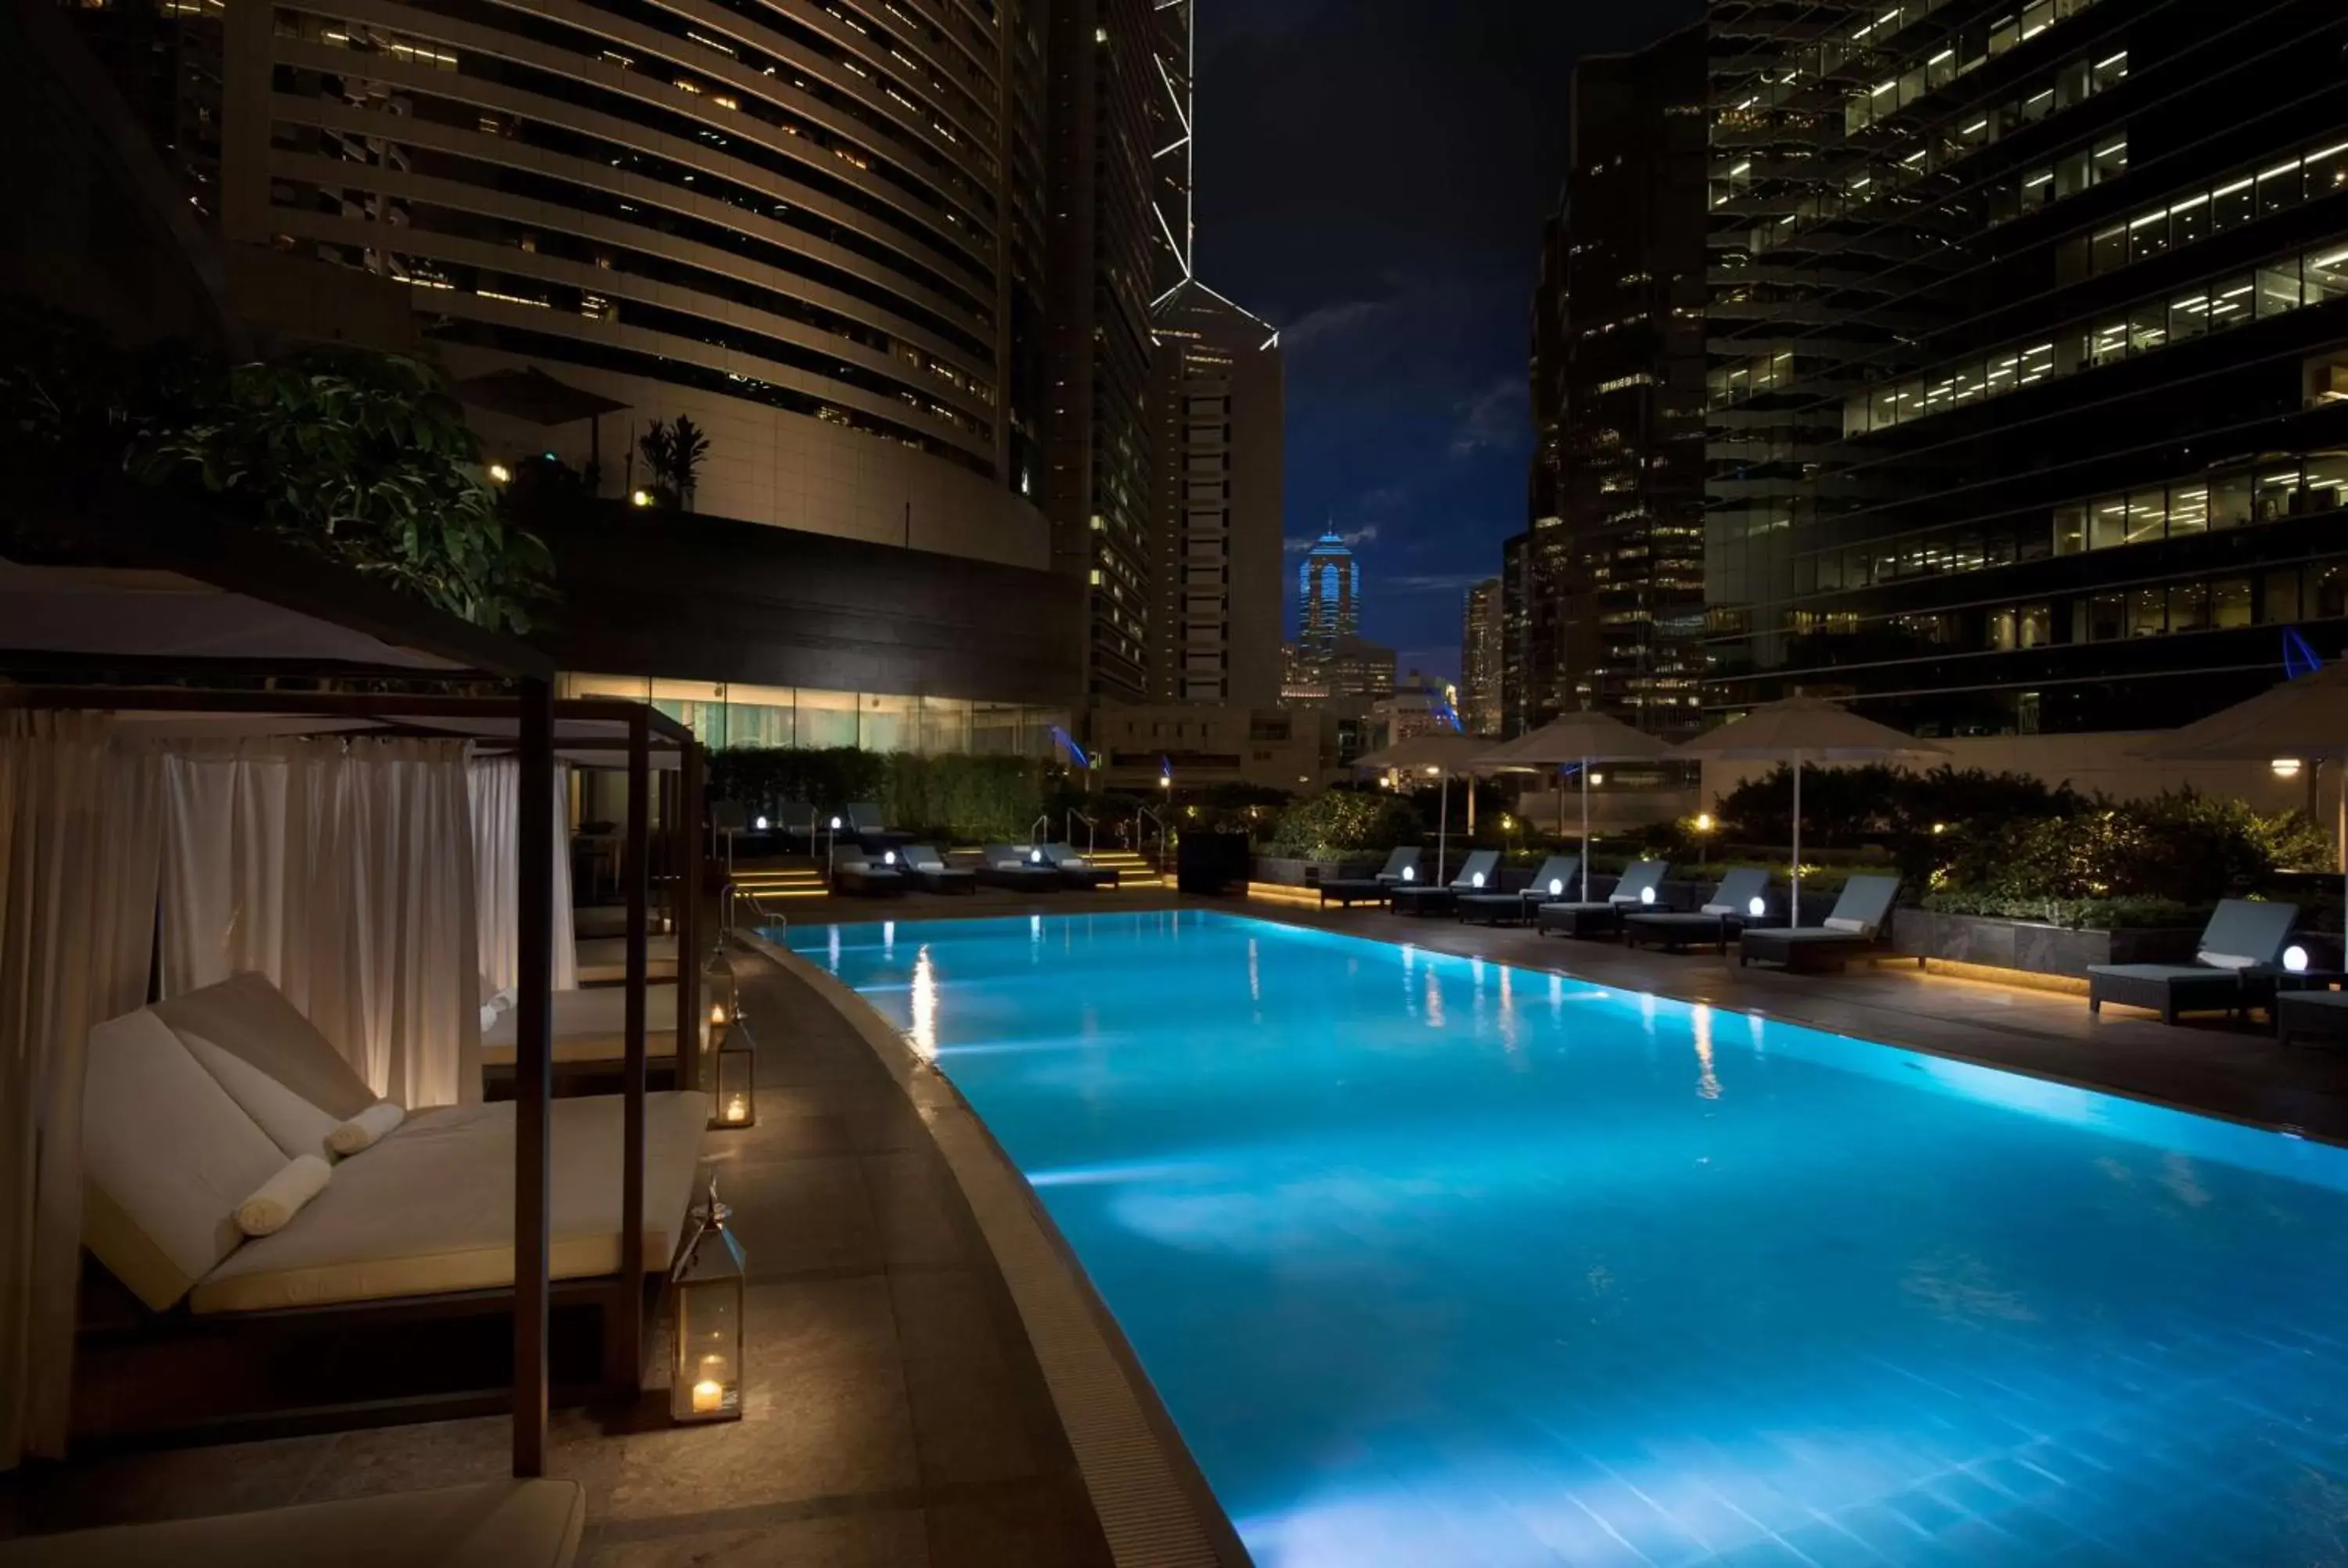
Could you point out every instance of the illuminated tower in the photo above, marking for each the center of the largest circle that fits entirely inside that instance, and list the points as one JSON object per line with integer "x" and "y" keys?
{"x": 1329, "y": 588}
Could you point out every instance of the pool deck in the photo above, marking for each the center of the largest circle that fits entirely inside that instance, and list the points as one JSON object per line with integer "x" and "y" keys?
{"x": 2202, "y": 1064}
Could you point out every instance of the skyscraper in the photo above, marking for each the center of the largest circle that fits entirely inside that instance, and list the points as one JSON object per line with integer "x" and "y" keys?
{"x": 1329, "y": 590}
{"x": 1483, "y": 633}
{"x": 818, "y": 234}
{"x": 1628, "y": 431}
{"x": 1103, "y": 183}
{"x": 1219, "y": 408}
{"x": 2028, "y": 386}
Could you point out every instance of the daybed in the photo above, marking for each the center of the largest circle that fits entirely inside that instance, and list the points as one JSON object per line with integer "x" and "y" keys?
{"x": 1401, "y": 868}
{"x": 928, "y": 870}
{"x": 1008, "y": 866}
{"x": 1857, "y": 928}
{"x": 1722, "y": 917}
{"x": 1634, "y": 889}
{"x": 603, "y": 960}
{"x": 1555, "y": 875}
{"x": 590, "y": 1028}
{"x": 1075, "y": 870}
{"x": 2243, "y": 934}
{"x": 193, "y": 1105}
{"x": 1480, "y": 870}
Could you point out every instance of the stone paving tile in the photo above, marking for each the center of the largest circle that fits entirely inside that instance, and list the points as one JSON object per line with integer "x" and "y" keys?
{"x": 898, "y": 1539}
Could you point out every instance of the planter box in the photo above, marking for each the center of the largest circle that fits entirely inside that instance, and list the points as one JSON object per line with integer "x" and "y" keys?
{"x": 2032, "y": 947}
{"x": 1287, "y": 872}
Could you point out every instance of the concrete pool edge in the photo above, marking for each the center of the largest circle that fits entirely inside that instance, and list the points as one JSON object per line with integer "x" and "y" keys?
{"x": 1153, "y": 1502}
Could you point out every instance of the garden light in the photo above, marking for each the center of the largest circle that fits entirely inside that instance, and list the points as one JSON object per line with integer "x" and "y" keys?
{"x": 835, "y": 825}
{"x": 2294, "y": 958}
{"x": 500, "y": 473}
{"x": 1758, "y": 908}
{"x": 762, "y": 824}
{"x": 1646, "y": 895}
{"x": 1704, "y": 823}
{"x": 1410, "y": 874}
{"x": 640, "y": 498}
{"x": 888, "y": 857}
{"x": 1557, "y": 887}
{"x": 1476, "y": 880}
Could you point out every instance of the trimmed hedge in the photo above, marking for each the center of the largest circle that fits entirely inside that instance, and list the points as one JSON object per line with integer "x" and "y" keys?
{"x": 960, "y": 796}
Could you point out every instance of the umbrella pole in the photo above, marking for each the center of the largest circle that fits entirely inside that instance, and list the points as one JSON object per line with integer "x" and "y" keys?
{"x": 1585, "y": 830}
{"x": 1442, "y": 826}
{"x": 1796, "y": 920}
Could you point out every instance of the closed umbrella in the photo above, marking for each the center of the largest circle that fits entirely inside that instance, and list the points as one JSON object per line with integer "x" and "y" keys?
{"x": 2304, "y": 718}
{"x": 1578, "y": 739}
{"x": 1442, "y": 754}
{"x": 1801, "y": 729}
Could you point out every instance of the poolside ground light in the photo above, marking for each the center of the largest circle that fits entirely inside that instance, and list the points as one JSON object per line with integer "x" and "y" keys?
{"x": 2294, "y": 958}
{"x": 1646, "y": 895}
{"x": 1557, "y": 887}
{"x": 1758, "y": 908}
{"x": 733, "y": 1096}
{"x": 762, "y": 824}
{"x": 705, "y": 1378}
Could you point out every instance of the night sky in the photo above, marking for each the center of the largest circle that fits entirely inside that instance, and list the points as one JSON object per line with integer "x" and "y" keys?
{"x": 1372, "y": 177}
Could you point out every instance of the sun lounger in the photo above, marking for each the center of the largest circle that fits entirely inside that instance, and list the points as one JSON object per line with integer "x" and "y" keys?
{"x": 926, "y": 869}
{"x": 1479, "y": 871}
{"x": 867, "y": 873}
{"x": 1401, "y": 870}
{"x": 1723, "y": 916}
{"x": 2243, "y": 934}
{"x": 2311, "y": 1015}
{"x": 1637, "y": 888}
{"x": 1020, "y": 868}
{"x": 1556, "y": 875}
{"x": 793, "y": 822}
{"x": 860, "y": 820}
{"x": 1075, "y": 869}
{"x": 489, "y": 1524}
{"x": 1858, "y": 926}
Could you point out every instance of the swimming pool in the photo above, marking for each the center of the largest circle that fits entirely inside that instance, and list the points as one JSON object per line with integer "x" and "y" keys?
{"x": 1439, "y": 1263}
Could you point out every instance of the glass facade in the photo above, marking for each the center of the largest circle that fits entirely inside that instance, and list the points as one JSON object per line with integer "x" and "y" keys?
{"x": 728, "y": 715}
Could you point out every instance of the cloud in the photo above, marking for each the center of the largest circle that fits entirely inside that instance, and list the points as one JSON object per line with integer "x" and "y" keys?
{"x": 1330, "y": 321}
{"x": 1499, "y": 416}
{"x": 1353, "y": 540}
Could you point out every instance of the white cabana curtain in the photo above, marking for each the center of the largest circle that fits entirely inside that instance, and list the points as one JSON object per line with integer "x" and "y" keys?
{"x": 496, "y": 839}
{"x": 81, "y": 845}
{"x": 344, "y": 871}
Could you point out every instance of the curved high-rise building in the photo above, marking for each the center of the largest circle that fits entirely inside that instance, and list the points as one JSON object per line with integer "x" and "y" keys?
{"x": 1329, "y": 594}
{"x": 816, "y": 229}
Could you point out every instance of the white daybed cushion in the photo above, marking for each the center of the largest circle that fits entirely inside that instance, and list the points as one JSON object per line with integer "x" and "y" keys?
{"x": 591, "y": 1026}
{"x": 605, "y": 959}
{"x": 167, "y": 1156}
{"x": 247, "y": 1019}
{"x": 487, "y": 1525}
{"x": 280, "y": 1198}
{"x": 430, "y": 1208}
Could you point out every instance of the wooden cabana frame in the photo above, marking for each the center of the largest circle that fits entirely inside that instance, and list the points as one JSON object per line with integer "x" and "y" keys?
{"x": 285, "y": 614}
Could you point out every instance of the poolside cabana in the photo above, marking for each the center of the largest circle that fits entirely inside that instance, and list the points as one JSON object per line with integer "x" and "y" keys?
{"x": 139, "y": 630}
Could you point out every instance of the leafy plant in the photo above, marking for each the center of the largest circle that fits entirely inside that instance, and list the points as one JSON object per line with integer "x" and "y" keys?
{"x": 673, "y": 453}
{"x": 1342, "y": 822}
{"x": 2073, "y": 914}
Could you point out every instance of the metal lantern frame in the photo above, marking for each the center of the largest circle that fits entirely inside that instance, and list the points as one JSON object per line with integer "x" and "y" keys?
{"x": 706, "y": 1286}
{"x": 734, "y": 1090}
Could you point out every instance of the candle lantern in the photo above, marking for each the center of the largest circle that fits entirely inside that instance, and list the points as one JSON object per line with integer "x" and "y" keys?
{"x": 718, "y": 997}
{"x": 705, "y": 1378}
{"x": 735, "y": 1102}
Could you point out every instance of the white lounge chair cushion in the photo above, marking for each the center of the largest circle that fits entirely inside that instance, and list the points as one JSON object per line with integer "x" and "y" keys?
{"x": 250, "y": 1019}
{"x": 490, "y": 1524}
{"x": 430, "y": 1208}
{"x": 167, "y": 1156}
{"x": 293, "y": 1124}
{"x": 2225, "y": 960}
{"x": 1720, "y": 909}
{"x": 591, "y": 1026}
{"x": 1846, "y": 924}
{"x": 280, "y": 1198}
{"x": 362, "y": 1132}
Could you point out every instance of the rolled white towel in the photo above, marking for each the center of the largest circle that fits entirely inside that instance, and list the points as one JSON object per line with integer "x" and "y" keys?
{"x": 362, "y": 1131}
{"x": 280, "y": 1197}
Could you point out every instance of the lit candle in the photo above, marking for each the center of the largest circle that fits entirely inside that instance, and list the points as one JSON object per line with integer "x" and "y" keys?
{"x": 708, "y": 1397}
{"x": 717, "y": 1012}
{"x": 735, "y": 1109}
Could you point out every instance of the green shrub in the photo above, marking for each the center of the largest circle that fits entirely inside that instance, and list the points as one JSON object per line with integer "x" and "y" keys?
{"x": 2185, "y": 846}
{"x": 963, "y": 796}
{"x": 2073, "y": 914}
{"x": 1339, "y": 823}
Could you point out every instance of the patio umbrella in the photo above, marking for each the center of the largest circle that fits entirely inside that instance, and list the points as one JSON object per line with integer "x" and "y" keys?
{"x": 2304, "y": 718}
{"x": 1579, "y": 739}
{"x": 1801, "y": 729}
{"x": 1443, "y": 753}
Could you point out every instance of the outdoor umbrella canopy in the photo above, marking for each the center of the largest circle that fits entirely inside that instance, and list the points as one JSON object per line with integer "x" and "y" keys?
{"x": 1443, "y": 753}
{"x": 1579, "y": 739}
{"x": 2304, "y": 718}
{"x": 1806, "y": 729}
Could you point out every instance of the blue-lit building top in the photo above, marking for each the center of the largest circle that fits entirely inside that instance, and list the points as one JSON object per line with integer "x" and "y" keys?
{"x": 1329, "y": 593}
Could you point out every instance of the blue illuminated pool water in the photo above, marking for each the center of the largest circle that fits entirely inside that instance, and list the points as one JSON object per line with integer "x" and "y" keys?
{"x": 1440, "y": 1263}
